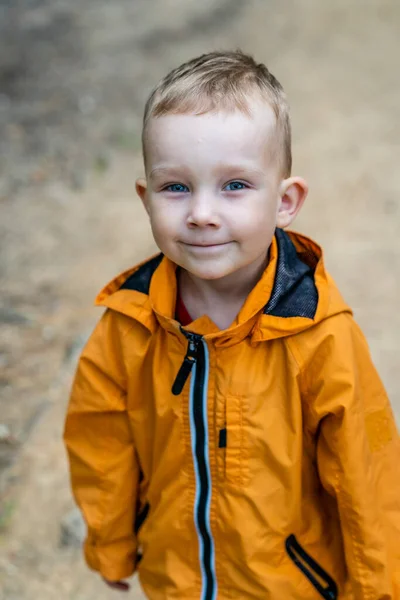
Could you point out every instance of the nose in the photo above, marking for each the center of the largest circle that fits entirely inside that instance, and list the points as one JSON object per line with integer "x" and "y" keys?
{"x": 203, "y": 212}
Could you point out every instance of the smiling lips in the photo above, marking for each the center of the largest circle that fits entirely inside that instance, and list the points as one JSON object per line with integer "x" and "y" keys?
{"x": 206, "y": 245}
{"x": 204, "y": 250}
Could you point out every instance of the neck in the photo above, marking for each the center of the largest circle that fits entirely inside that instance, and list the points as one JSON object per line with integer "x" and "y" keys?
{"x": 207, "y": 296}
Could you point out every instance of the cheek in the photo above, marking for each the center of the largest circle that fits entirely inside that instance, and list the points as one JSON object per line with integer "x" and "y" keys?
{"x": 164, "y": 220}
{"x": 255, "y": 222}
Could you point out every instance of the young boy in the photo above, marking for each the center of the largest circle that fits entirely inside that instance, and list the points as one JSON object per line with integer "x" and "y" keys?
{"x": 228, "y": 435}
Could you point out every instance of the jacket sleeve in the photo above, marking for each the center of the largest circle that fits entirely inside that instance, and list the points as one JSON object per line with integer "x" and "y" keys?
{"x": 358, "y": 458}
{"x": 103, "y": 466}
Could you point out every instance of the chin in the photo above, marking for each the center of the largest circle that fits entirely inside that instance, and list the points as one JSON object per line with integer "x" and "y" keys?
{"x": 209, "y": 274}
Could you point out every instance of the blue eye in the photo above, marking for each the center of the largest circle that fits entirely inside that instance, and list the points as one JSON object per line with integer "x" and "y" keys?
{"x": 234, "y": 186}
{"x": 176, "y": 187}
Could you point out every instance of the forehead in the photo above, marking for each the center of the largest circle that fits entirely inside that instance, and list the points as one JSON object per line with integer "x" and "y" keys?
{"x": 235, "y": 135}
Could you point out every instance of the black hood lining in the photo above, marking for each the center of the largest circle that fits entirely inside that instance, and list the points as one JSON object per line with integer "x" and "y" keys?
{"x": 140, "y": 280}
{"x": 294, "y": 293}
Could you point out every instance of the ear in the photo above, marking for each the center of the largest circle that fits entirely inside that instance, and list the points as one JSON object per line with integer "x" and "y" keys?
{"x": 141, "y": 190}
{"x": 293, "y": 192}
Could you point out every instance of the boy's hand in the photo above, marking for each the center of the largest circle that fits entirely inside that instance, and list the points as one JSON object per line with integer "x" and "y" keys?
{"x": 122, "y": 586}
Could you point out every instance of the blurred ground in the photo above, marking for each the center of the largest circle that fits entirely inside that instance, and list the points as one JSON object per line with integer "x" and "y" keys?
{"x": 73, "y": 79}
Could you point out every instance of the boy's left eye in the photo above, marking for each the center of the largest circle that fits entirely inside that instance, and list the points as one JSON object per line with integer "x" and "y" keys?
{"x": 176, "y": 187}
{"x": 233, "y": 186}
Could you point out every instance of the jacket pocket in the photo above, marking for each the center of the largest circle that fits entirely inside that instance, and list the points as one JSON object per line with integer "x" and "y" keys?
{"x": 317, "y": 576}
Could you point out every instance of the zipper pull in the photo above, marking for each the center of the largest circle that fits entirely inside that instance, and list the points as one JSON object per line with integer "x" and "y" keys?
{"x": 186, "y": 366}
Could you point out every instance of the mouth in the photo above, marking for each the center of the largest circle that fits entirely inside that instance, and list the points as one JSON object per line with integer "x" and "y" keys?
{"x": 206, "y": 250}
{"x": 217, "y": 245}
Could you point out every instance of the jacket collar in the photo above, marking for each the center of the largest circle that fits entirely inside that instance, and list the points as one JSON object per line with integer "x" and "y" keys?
{"x": 293, "y": 293}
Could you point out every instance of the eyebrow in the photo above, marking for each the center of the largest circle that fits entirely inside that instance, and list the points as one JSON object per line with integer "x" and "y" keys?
{"x": 164, "y": 170}
{"x": 238, "y": 169}
{"x": 228, "y": 168}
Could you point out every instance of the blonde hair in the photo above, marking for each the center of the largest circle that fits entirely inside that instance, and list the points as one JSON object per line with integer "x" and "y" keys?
{"x": 221, "y": 81}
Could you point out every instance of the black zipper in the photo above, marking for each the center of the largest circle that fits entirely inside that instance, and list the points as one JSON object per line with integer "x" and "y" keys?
{"x": 196, "y": 356}
{"x": 188, "y": 362}
{"x": 311, "y": 569}
{"x": 201, "y": 452}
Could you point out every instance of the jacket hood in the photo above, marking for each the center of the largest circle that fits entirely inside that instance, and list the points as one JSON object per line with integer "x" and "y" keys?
{"x": 294, "y": 293}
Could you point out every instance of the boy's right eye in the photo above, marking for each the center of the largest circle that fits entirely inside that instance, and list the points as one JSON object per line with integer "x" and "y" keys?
{"x": 176, "y": 187}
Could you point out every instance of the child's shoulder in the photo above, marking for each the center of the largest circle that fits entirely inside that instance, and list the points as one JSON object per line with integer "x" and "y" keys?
{"x": 126, "y": 298}
{"x": 136, "y": 278}
{"x": 317, "y": 322}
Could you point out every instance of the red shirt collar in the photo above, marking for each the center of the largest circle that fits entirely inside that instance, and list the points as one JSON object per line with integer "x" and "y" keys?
{"x": 181, "y": 313}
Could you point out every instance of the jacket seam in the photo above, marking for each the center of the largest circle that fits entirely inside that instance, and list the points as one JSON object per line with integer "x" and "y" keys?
{"x": 124, "y": 332}
{"x": 298, "y": 357}
{"x": 337, "y": 487}
{"x": 355, "y": 543}
{"x": 295, "y": 354}
{"x": 105, "y": 496}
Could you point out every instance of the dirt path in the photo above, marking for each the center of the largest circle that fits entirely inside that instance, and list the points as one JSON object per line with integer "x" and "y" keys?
{"x": 73, "y": 79}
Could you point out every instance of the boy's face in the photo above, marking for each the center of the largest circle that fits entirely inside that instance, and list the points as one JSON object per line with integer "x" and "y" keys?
{"x": 214, "y": 192}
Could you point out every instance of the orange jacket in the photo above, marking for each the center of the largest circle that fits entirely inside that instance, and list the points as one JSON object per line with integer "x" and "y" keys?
{"x": 261, "y": 461}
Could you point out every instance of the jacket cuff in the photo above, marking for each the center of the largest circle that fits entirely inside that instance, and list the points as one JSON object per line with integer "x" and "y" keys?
{"x": 113, "y": 561}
